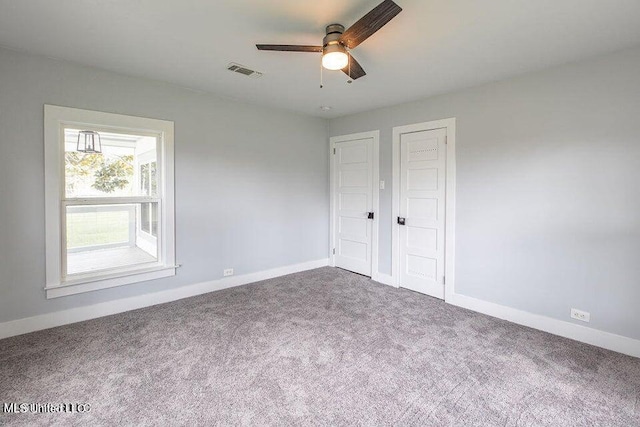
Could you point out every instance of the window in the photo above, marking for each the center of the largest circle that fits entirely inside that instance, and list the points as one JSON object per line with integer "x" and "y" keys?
{"x": 110, "y": 215}
{"x": 149, "y": 211}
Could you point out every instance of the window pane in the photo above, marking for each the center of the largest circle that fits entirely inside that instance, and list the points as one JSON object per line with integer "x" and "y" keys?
{"x": 144, "y": 180}
{"x": 145, "y": 224}
{"x": 153, "y": 176}
{"x": 115, "y": 171}
{"x": 92, "y": 226}
{"x": 154, "y": 219}
{"x": 102, "y": 237}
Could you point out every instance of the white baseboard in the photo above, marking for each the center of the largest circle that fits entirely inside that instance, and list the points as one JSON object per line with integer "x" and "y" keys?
{"x": 591, "y": 336}
{"x": 385, "y": 279}
{"x": 580, "y": 333}
{"x": 65, "y": 317}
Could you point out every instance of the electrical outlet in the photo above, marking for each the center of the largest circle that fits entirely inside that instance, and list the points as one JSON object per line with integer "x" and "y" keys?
{"x": 382, "y": 185}
{"x": 580, "y": 315}
{"x": 228, "y": 272}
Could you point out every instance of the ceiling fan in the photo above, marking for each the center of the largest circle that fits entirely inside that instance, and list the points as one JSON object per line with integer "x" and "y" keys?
{"x": 337, "y": 43}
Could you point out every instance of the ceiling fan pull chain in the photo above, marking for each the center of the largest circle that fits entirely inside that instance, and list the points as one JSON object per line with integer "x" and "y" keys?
{"x": 321, "y": 82}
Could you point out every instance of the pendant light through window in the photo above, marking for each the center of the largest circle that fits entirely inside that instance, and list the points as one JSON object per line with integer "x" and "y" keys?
{"x": 89, "y": 142}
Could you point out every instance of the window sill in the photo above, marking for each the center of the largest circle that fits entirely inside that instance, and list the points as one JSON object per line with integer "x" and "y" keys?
{"x": 94, "y": 283}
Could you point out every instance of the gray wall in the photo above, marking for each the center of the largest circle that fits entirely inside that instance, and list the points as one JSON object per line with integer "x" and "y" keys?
{"x": 251, "y": 183}
{"x": 548, "y": 184}
{"x": 548, "y": 200}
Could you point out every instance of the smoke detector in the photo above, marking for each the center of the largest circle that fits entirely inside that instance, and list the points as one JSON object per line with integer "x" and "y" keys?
{"x": 241, "y": 69}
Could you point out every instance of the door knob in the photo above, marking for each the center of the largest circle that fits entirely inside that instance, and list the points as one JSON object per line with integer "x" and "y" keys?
{"x": 370, "y": 215}
{"x": 401, "y": 220}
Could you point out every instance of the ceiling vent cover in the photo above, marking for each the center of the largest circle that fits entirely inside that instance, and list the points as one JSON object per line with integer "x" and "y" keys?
{"x": 241, "y": 69}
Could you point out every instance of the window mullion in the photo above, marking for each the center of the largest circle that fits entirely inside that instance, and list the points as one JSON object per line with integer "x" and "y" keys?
{"x": 110, "y": 201}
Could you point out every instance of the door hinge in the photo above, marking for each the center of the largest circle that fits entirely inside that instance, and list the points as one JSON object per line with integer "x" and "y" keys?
{"x": 446, "y": 139}
{"x": 444, "y": 280}
{"x": 334, "y": 251}
{"x": 334, "y": 151}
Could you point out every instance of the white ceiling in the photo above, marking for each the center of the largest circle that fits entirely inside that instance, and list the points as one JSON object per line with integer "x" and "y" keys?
{"x": 433, "y": 46}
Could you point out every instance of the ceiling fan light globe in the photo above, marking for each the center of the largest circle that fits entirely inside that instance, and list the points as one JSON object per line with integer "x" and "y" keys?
{"x": 335, "y": 60}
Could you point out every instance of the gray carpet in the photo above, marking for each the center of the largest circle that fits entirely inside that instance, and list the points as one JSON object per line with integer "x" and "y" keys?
{"x": 324, "y": 347}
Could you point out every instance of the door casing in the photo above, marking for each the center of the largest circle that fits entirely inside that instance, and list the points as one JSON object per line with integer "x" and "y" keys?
{"x": 450, "y": 200}
{"x": 375, "y": 135}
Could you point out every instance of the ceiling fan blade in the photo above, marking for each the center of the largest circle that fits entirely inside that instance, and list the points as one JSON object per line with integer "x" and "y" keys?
{"x": 289, "y": 48}
{"x": 370, "y": 23}
{"x": 356, "y": 70}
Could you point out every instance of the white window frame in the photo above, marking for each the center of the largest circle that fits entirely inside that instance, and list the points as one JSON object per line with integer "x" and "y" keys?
{"x": 138, "y": 182}
{"x": 56, "y": 118}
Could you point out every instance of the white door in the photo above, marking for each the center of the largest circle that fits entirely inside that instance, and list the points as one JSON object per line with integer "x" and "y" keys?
{"x": 422, "y": 211}
{"x": 353, "y": 205}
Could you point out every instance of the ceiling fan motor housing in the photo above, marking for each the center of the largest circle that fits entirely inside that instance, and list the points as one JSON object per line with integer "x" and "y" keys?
{"x": 331, "y": 46}
{"x": 334, "y": 54}
{"x": 334, "y": 32}
{"x": 335, "y": 28}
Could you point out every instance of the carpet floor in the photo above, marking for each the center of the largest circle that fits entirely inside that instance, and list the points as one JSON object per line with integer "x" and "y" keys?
{"x": 322, "y": 347}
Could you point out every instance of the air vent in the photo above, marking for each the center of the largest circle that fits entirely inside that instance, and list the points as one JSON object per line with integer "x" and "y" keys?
{"x": 241, "y": 69}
